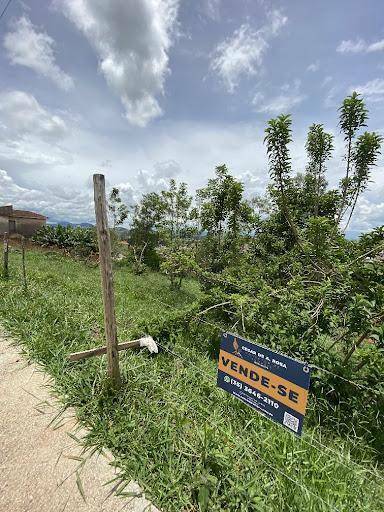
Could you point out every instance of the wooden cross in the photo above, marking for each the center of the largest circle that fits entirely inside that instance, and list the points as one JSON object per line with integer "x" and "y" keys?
{"x": 112, "y": 347}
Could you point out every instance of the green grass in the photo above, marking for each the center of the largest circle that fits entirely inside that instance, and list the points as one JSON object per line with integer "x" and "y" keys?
{"x": 190, "y": 446}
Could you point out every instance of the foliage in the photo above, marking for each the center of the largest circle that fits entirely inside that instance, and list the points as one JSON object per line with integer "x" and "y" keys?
{"x": 170, "y": 428}
{"x": 117, "y": 209}
{"x": 176, "y": 263}
{"x": 319, "y": 148}
{"x": 275, "y": 269}
{"x": 161, "y": 219}
{"x": 297, "y": 284}
{"x": 175, "y": 208}
{"x": 143, "y": 235}
{"x": 75, "y": 240}
{"x": 365, "y": 155}
{"x": 223, "y": 217}
{"x": 353, "y": 115}
{"x": 278, "y": 135}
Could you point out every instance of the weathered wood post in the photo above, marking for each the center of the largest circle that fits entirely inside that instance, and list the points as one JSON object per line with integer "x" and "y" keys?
{"x": 23, "y": 263}
{"x": 5, "y": 261}
{"x": 105, "y": 259}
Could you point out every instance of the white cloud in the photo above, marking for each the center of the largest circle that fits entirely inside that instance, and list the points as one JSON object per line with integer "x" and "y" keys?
{"x": 334, "y": 90}
{"x": 21, "y": 113}
{"x": 330, "y": 98}
{"x": 360, "y": 46}
{"x": 131, "y": 39}
{"x": 328, "y": 79}
{"x": 368, "y": 214}
{"x": 28, "y": 47}
{"x": 315, "y": 66}
{"x": 242, "y": 54}
{"x": 211, "y": 8}
{"x": 155, "y": 180}
{"x": 372, "y": 90}
{"x": 29, "y": 133}
{"x": 254, "y": 185}
{"x": 75, "y": 205}
{"x": 282, "y": 103}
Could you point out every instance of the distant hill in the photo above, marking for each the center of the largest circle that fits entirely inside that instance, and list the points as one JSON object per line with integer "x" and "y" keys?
{"x": 122, "y": 232}
{"x": 66, "y": 223}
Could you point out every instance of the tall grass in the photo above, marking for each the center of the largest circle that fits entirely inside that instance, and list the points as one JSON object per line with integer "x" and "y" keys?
{"x": 190, "y": 446}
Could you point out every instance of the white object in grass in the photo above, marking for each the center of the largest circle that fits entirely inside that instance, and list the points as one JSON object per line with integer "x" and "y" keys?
{"x": 149, "y": 343}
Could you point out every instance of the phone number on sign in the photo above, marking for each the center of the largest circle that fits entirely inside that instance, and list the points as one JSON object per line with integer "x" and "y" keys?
{"x": 262, "y": 397}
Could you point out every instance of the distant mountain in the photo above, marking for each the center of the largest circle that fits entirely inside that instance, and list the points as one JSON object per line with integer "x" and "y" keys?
{"x": 66, "y": 223}
{"x": 122, "y": 232}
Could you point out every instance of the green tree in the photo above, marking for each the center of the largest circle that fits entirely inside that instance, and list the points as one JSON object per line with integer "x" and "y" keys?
{"x": 365, "y": 155}
{"x": 353, "y": 115}
{"x": 144, "y": 234}
{"x": 319, "y": 148}
{"x": 277, "y": 137}
{"x": 176, "y": 211}
{"x": 224, "y": 215}
{"x": 117, "y": 209}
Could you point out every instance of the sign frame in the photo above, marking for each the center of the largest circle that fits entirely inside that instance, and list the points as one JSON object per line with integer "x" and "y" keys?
{"x": 274, "y": 384}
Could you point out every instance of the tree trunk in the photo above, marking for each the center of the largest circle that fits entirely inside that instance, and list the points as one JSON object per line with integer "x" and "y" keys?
{"x": 344, "y": 196}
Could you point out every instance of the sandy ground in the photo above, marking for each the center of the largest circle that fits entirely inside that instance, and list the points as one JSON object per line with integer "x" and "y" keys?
{"x": 40, "y": 470}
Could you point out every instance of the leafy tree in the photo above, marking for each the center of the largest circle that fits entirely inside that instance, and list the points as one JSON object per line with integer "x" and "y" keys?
{"x": 176, "y": 264}
{"x": 117, "y": 209}
{"x": 365, "y": 155}
{"x": 176, "y": 211}
{"x": 278, "y": 135}
{"x": 353, "y": 115}
{"x": 144, "y": 234}
{"x": 160, "y": 219}
{"x": 223, "y": 216}
{"x": 319, "y": 148}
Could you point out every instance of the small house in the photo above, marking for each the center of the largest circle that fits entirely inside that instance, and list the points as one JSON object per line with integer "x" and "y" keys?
{"x": 20, "y": 222}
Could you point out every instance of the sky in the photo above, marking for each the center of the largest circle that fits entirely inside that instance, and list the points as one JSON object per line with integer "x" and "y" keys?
{"x": 148, "y": 90}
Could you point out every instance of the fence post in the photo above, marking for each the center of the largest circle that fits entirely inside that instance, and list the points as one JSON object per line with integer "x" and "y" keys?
{"x": 105, "y": 259}
{"x": 5, "y": 261}
{"x": 23, "y": 263}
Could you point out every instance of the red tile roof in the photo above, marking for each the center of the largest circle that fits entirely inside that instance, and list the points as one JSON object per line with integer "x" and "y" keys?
{"x": 28, "y": 215}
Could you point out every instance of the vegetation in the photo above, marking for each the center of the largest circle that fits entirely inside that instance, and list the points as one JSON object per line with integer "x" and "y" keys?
{"x": 276, "y": 269}
{"x": 117, "y": 209}
{"x": 74, "y": 240}
{"x": 189, "y": 445}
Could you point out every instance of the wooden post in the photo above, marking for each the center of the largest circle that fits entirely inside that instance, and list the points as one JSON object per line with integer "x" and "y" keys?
{"x": 23, "y": 263}
{"x": 6, "y": 251}
{"x": 105, "y": 259}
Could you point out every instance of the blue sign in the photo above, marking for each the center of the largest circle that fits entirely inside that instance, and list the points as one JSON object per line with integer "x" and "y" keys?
{"x": 273, "y": 384}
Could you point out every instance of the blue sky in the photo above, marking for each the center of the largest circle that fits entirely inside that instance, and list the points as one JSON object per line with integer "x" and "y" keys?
{"x": 146, "y": 90}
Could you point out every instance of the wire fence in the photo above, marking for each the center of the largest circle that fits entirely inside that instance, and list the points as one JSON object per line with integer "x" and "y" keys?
{"x": 343, "y": 459}
{"x": 308, "y": 439}
{"x": 221, "y": 328}
{"x": 303, "y": 438}
{"x": 324, "y": 450}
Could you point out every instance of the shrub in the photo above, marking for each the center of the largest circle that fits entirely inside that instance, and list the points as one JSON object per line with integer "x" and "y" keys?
{"x": 176, "y": 263}
{"x": 74, "y": 240}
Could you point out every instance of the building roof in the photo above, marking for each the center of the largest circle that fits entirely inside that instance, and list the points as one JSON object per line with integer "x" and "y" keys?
{"x": 28, "y": 215}
{"x": 8, "y": 211}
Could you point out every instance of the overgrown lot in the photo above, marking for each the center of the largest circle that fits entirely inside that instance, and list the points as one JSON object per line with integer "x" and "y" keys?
{"x": 189, "y": 445}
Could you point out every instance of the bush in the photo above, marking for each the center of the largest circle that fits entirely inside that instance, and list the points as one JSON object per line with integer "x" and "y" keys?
{"x": 74, "y": 240}
{"x": 176, "y": 263}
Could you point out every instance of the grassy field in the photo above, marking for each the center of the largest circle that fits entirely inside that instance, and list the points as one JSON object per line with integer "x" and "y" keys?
{"x": 190, "y": 446}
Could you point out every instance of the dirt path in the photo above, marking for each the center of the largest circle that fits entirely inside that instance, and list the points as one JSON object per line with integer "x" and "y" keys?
{"x": 39, "y": 463}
